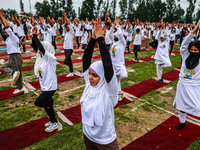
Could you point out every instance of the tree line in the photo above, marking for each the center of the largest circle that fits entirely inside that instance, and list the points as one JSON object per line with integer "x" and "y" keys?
{"x": 144, "y": 10}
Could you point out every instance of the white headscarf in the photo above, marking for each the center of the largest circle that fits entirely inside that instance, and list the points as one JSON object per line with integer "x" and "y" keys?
{"x": 39, "y": 59}
{"x": 92, "y": 100}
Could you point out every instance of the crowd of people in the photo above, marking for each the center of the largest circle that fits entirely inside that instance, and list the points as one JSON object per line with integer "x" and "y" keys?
{"x": 102, "y": 78}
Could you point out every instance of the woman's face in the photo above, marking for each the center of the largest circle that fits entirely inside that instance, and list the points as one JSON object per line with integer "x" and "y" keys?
{"x": 194, "y": 49}
{"x": 94, "y": 78}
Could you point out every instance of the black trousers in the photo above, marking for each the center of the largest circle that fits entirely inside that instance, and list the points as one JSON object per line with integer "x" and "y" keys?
{"x": 127, "y": 44}
{"x": 172, "y": 46}
{"x": 83, "y": 46}
{"x": 54, "y": 42}
{"x": 68, "y": 60}
{"x": 45, "y": 100}
{"x": 77, "y": 41}
{"x": 154, "y": 43}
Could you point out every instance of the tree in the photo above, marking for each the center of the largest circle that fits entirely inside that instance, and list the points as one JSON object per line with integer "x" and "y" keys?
{"x": 190, "y": 11}
{"x": 112, "y": 9}
{"x": 21, "y": 6}
{"x": 198, "y": 13}
{"x": 87, "y": 9}
{"x": 105, "y": 7}
{"x": 170, "y": 10}
{"x": 123, "y": 8}
{"x": 8, "y": 12}
{"x": 140, "y": 12}
{"x": 131, "y": 11}
{"x": 70, "y": 10}
{"x": 42, "y": 9}
{"x": 99, "y": 4}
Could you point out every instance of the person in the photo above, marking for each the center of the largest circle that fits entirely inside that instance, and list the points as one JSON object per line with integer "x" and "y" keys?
{"x": 109, "y": 37}
{"x": 13, "y": 65}
{"x": 45, "y": 69}
{"x": 172, "y": 39}
{"x": 117, "y": 56}
{"x": 99, "y": 96}
{"x": 84, "y": 38}
{"x": 187, "y": 93}
{"x": 137, "y": 42}
{"x": 68, "y": 43}
{"x": 129, "y": 31}
{"x": 78, "y": 32}
{"x": 162, "y": 55}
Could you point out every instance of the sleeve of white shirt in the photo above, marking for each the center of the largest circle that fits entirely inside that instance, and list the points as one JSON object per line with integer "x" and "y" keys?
{"x": 49, "y": 57}
{"x": 112, "y": 86}
{"x": 86, "y": 77}
{"x": 185, "y": 44}
{"x": 71, "y": 29}
{"x": 12, "y": 35}
{"x": 121, "y": 35}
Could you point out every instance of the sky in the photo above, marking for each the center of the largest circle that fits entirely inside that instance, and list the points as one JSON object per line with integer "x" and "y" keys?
{"x": 14, "y": 4}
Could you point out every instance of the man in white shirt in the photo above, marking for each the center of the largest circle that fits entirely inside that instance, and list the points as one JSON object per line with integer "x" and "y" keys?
{"x": 68, "y": 43}
{"x": 13, "y": 65}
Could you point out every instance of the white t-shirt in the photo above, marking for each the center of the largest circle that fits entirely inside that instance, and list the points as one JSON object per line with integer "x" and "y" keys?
{"x": 172, "y": 37}
{"x": 78, "y": 31}
{"x": 53, "y": 30}
{"x": 104, "y": 134}
{"x": 84, "y": 38}
{"x": 137, "y": 39}
{"x": 109, "y": 38}
{"x": 47, "y": 73}
{"x": 47, "y": 35}
{"x": 12, "y": 42}
{"x": 129, "y": 35}
{"x": 20, "y": 30}
{"x": 68, "y": 37}
{"x": 188, "y": 76}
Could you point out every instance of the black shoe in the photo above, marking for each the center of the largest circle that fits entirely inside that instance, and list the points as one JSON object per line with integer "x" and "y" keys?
{"x": 180, "y": 126}
{"x": 136, "y": 59}
{"x": 160, "y": 81}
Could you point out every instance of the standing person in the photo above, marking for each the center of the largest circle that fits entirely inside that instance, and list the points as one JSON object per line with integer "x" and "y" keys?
{"x": 129, "y": 35}
{"x": 162, "y": 54}
{"x": 77, "y": 32}
{"x": 137, "y": 42}
{"x": 53, "y": 29}
{"x": 109, "y": 37}
{"x": 99, "y": 97}
{"x": 45, "y": 69}
{"x": 84, "y": 38}
{"x": 172, "y": 39}
{"x": 117, "y": 56}
{"x": 13, "y": 65}
{"x": 21, "y": 35}
{"x": 187, "y": 93}
{"x": 68, "y": 43}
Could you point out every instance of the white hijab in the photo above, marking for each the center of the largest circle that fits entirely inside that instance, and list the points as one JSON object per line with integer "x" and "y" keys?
{"x": 39, "y": 59}
{"x": 92, "y": 101}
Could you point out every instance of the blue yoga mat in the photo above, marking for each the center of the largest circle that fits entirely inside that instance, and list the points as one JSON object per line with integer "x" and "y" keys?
{"x": 3, "y": 49}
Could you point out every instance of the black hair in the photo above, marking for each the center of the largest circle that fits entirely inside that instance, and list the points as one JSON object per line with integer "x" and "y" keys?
{"x": 137, "y": 30}
{"x": 107, "y": 24}
{"x": 194, "y": 43}
{"x": 66, "y": 24}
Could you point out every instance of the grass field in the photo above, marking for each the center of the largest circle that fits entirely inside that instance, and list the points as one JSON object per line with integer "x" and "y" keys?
{"x": 130, "y": 123}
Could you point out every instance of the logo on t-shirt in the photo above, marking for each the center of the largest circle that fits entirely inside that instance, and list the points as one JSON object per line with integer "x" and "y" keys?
{"x": 164, "y": 45}
{"x": 40, "y": 72}
{"x": 113, "y": 51}
{"x": 188, "y": 73}
{"x": 81, "y": 104}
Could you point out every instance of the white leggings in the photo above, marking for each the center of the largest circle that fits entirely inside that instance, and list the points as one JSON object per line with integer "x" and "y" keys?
{"x": 159, "y": 69}
{"x": 182, "y": 117}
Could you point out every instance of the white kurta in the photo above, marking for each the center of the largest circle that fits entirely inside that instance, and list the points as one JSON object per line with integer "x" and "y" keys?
{"x": 188, "y": 87}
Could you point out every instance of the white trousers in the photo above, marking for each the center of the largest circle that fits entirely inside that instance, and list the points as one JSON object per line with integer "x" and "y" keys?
{"x": 159, "y": 69}
{"x": 182, "y": 117}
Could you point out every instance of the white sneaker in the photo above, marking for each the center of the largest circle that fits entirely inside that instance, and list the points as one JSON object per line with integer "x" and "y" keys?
{"x": 70, "y": 75}
{"x": 34, "y": 57}
{"x": 25, "y": 90}
{"x": 120, "y": 96}
{"x": 52, "y": 127}
{"x": 48, "y": 124}
{"x": 27, "y": 52}
{"x": 16, "y": 76}
{"x": 17, "y": 91}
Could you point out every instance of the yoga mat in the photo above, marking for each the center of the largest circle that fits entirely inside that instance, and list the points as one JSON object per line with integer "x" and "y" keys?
{"x": 171, "y": 75}
{"x": 24, "y": 135}
{"x": 198, "y": 118}
{"x": 8, "y": 93}
{"x": 144, "y": 87}
{"x": 166, "y": 137}
{"x": 23, "y": 69}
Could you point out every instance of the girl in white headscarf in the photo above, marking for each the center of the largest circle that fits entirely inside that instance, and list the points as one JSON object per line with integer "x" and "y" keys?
{"x": 45, "y": 69}
{"x": 117, "y": 56}
{"x": 188, "y": 87}
{"x": 99, "y": 96}
{"x": 162, "y": 55}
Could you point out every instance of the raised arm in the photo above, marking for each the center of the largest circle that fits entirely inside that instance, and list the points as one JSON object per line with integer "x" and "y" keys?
{"x": 87, "y": 56}
{"x": 36, "y": 44}
{"x": 3, "y": 20}
{"x": 105, "y": 55}
{"x": 16, "y": 19}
